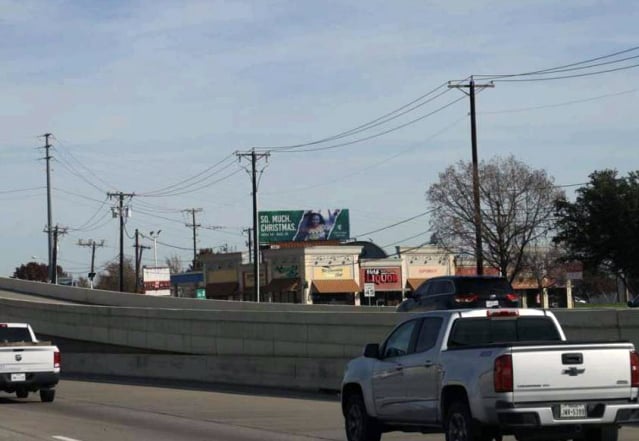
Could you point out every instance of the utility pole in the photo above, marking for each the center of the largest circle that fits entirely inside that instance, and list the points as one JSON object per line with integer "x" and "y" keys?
{"x": 91, "y": 243}
{"x": 119, "y": 211}
{"x": 138, "y": 259}
{"x": 249, "y": 242}
{"x": 256, "y": 236}
{"x": 195, "y": 226}
{"x": 54, "y": 261}
{"x": 479, "y": 253}
{"x": 47, "y": 157}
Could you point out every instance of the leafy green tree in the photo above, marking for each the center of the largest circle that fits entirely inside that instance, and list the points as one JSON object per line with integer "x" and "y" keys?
{"x": 601, "y": 228}
{"x": 109, "y": 279}
{"x": 36, "y": 271}
{"x": 517, "y": 205}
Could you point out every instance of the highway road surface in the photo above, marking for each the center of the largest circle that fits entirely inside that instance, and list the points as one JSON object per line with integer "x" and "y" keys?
{"x": 100, "y": 411}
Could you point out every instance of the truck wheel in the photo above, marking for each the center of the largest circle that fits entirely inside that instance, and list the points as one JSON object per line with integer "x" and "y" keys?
{"x": 360, "y": 426}
{"x": 22, "y": 393}
{"x": 458, "y": 424}
{"x": 603, "y": 433}
{"x": 47, "y": 395}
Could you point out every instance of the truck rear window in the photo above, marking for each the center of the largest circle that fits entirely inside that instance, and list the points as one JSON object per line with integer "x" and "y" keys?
{"x": 481, "y": 331}
{"x": 14, "y": 335}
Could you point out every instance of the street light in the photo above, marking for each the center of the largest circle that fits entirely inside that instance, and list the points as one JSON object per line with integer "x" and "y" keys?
{"x": 154, "y": 235}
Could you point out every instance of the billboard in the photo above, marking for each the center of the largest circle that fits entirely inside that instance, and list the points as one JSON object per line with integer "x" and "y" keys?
{"x": 301, "y": 225}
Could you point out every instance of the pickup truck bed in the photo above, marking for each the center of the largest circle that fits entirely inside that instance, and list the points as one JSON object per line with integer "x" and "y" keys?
{"x": 478, "y": 375}
{"x": 26, "y": 364}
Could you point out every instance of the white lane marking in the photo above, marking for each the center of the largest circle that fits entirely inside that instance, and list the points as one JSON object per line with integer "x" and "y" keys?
{"x": 64, "y": 438}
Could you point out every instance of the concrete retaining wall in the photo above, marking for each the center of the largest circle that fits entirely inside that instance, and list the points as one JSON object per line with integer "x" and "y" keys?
{"x": 115, "y": 298}
{"x": 304, "y": 349}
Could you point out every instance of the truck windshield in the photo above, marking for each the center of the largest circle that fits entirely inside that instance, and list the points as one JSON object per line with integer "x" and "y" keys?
{"x": 14, "y": 335}
{"x": 482, "y": 330}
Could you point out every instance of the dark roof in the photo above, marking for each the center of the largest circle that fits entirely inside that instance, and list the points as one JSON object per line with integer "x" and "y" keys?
{"x": 369, "y": 250}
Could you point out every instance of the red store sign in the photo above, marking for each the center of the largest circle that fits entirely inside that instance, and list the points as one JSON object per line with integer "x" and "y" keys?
{"x": 385, "y": 279}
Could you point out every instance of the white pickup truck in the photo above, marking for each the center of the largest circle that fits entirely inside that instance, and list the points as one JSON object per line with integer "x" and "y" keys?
{"x": 26, "y": 364}
{"x": 478, "y": 375}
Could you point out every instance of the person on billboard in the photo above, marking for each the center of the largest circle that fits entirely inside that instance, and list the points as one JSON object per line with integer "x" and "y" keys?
{"x": 315, "y": 227}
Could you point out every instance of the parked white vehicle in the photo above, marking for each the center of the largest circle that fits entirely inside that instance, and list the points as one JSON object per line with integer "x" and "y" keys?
{"x": 26, "y": 364}
{"x": 478, "y": 375}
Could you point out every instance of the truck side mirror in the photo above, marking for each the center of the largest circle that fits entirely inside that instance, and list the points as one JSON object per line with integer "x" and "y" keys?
{"x": 371, "y": 350}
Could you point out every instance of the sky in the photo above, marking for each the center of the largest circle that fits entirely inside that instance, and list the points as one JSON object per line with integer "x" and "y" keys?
{"x": 155, "y": 98}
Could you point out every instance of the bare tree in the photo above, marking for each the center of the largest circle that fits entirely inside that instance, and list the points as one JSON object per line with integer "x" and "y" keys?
{"x": 517, "y": 205}
{"x": 543, "y": 262}
{"x": 174, "y": 263}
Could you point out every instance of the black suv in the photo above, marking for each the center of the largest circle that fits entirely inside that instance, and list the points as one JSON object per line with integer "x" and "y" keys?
{"x": 456, "y": 292}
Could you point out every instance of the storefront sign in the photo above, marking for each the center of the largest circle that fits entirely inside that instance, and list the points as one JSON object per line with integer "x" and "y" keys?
{"x": 302, "y": 225}
{"x": 287, "y": 271}
{"x": 221, "y": 276}
{"x": 384, "y": 279}
{"x": 332, "y": 272}
{"x": 426, "y": 272}
{"x": 249, "y": 278}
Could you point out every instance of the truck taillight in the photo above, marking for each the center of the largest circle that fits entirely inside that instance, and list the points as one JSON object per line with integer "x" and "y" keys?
{"x": 634, "y": 369}
{"x": 503, "y": 373}
{"x": 466, "y": 298}
{"x": 56, "y": 359}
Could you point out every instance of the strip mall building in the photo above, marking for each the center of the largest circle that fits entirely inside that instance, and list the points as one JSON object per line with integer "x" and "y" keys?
{"x": 355, "y": 273}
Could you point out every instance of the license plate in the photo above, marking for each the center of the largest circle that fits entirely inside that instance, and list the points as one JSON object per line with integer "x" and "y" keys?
{"x": 572, "y": 411}
{"x": 18, "y": 377}
{"x": 492, "y": 303}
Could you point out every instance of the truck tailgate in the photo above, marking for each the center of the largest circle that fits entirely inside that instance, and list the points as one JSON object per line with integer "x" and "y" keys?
{"x": 26, "y": 359}
{"x": 572, "y": 371}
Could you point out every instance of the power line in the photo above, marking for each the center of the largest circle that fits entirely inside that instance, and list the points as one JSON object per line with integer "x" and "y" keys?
{"x": 66, "y": 151}
{"x": 185, "y": 183}
{"x": 374, "y": 123}
{"x": 565, "y": 103}
{"x": 567, "y": 76}
{"x": 377, "y": 135}
{"x": 557, "y": 68}
{"x": 396, "y": 223}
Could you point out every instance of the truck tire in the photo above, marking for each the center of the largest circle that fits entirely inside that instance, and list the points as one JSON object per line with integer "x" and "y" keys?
{"x": 458, "y": 423}
{"x": 603, "y": 433}
{"x": 47, "y": 395}
{"x": 22, "y": 393}
{"x": 359, "y": 426}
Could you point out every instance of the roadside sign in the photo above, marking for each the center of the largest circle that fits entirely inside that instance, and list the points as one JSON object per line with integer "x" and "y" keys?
{"x": 574, "y": 270}
{"x": 369, "y": 290}
{"x": 200, "y": 293}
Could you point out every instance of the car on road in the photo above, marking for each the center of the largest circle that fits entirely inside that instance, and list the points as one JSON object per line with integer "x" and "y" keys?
{"x": 455, "y": 292}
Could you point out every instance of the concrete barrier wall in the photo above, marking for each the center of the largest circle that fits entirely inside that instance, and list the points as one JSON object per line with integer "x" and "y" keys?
{"x": 115, "y": 298}
{"x": 304, "y": 349}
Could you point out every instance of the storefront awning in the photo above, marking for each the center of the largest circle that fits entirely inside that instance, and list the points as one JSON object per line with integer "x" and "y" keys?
{"x": 283, "y": 285}
{"x": 224, "y": 289}
{"x": 531, "y": 283}
{"x": 413, "y": 284}
{"x": 335, "y": 286}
